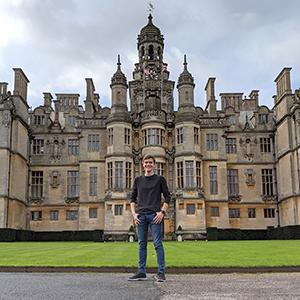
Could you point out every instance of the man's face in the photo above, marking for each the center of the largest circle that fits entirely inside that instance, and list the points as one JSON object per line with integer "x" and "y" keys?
{"x": 148, "y": 165}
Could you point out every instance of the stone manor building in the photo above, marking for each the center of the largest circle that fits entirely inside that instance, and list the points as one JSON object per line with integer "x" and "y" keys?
{"x": 68, "y": 167}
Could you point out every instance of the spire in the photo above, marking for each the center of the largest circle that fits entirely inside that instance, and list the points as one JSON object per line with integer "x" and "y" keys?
{"x": 185, "y": 77}
{"x": 119, "y": 77}
{"x": 150, "y": 19}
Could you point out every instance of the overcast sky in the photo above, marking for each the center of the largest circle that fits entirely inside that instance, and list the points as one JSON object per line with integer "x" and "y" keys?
{"x": 59, "y": 43}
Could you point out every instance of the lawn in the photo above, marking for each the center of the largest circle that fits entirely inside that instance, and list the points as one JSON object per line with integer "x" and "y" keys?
{"x": 123, "y": 254}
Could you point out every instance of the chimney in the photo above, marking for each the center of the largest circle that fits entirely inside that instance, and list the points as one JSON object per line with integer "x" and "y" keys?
{"x": 211, "y": 105}
{"x": 20, "y": 85}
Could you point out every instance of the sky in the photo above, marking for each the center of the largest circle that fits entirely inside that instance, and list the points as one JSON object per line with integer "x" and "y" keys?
{"x": 58, "y": 43}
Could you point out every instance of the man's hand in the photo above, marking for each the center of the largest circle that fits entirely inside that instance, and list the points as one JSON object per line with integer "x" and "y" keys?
{"x": 136, "y": 219}
{"x": 159, "y": 217}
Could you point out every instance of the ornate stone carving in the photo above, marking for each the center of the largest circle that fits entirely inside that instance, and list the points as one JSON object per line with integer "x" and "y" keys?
{"x": 36, "y": 201}
{"x": 249, "y": 173}
{"x": 55, "y": 179}
{"x": 268, "y": 198}
{"x": 235, "y": 198}
{"x": 71, "y": 200}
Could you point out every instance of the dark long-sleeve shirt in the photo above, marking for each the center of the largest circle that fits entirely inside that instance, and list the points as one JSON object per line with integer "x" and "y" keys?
{"x": 146, "y": 193}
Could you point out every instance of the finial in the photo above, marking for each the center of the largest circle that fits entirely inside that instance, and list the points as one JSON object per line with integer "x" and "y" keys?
{"x": 119, "y": 62}
{"x": 184, "y": 62}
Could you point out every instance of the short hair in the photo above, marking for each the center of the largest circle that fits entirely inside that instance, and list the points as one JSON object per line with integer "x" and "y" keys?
{"x": 148, "y": 156}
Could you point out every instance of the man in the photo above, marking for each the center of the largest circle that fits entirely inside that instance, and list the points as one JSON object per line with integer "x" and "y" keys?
{"x": 146, "y": 210}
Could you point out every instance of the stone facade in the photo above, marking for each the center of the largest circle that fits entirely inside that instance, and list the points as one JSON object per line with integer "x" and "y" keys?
{"x": 65, "y": 167}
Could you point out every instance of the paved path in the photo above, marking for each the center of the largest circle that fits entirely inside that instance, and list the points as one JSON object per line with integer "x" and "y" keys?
{"x": 46, "y": 286}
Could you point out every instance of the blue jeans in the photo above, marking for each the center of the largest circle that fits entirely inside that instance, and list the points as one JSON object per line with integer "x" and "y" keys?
{"x": 156, "y": 230}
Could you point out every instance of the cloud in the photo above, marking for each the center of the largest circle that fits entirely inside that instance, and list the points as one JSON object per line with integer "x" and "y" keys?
{"x": 244, "y": 44}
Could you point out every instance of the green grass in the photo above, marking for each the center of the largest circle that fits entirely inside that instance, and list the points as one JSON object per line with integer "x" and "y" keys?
{"x": 122, "y": 254}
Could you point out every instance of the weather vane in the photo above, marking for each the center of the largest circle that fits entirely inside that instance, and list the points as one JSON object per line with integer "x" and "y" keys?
{"x": 150, "y": 7}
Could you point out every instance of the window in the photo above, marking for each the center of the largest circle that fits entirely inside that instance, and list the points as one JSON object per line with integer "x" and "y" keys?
{"x": 36, "y": 215}
{"x": 37, "y": 184}
{"x": 39, "y": 120}
{"x": 93, "y": 181}
{"x": 196, "y": 135}
{"x": 54, "y": 215}
{"x": 234, "y": 212}
{"x": 179, "y": 134}
{"x": 73, "y": 147}
{"x": 93, "y": 142}
{"x": 190, "y": 209}
{"x": 251, "y": 213}
{"x": 189, "y": 174}
{"x": 128, "y": 175}
{"x": 110, "y": 136}
{"x": 230, "y": 145}
{"x": 180, "y": 175}
{"x": 118, "y": 175}
{"x": 38, "y": 146}
{"x": 265, "y": 145}
{"x": 72, "y": 120}
{"x": 267, "y": 182}
{"x": 72, "y": 215}
{"x": 214, "y": 211}
{"x": 109, "y": 175}
{"x": 93, "y": 213}
{"x": 269, "y": 212}
{"x": 211, "y": 141}
{"x": 263, "y": 118}
{"x": 160, "y": 169}
{"x": 153, "y": 136}
{"x": 118, "y": 210}
{"x": 213, "y": 180}
{"x": 127, "y": 136}
{"x": 232, "y": 182}
{"x": 73, "y": 184}
{"x": 198, "y": 174}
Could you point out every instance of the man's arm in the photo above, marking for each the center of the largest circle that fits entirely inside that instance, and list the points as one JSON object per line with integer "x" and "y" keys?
{"x": 134, "y": 214}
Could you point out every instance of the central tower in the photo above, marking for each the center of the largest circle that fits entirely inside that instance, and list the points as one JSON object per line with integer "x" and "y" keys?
{"x": 152, "y": 112}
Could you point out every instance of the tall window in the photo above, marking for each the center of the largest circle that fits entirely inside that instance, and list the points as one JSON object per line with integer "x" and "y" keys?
{"x": 231, "y": 145}
{"x": 211, "y": 141}
{"x": 234, "y": 212}
{"x": 54, "y": 215}
{"x": 118, "y": 210}
{"x": 38, "y": 146}
{"x": 39, "y": 120}
{"x": 190, "y": 209}
{"x": 110, "y": 136}
{"x": 153, "y": 136}
{"x": 37, "y": 184}
{"x": 73, "y": 184}
{"x": 179, "y": 135}
{"x": 110, "y": 175}
{"x": 265, "y": 145}
{"x": 118, "y": 175}
{"x": 232, "y": 182}
{"x": 93, "y": 142}
{"x": 198, "y": 173}
{"x": 251, "y": 213}
{"x": 269, "y": 212}
{"x": 263, "y": 118}
{"x": 196, "y": 135}
{"x": 72, "y": 120}
{"x": 214, "y": 211}
{"x": 160, "y": 169}
{"x": 73, "y": 147}
{"x": 180, "y": 175}
{"x": 93, "y": 212}
{"x": 189, "y": 174}
{"x": 127, "y": 136}
{"x": 213, "y": 180}
{"x": 93, "y": 181}
{"x": 267, "y": 182}
{"x": 128, "y": 175}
